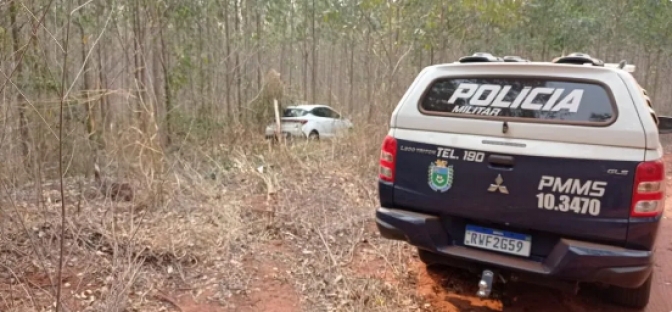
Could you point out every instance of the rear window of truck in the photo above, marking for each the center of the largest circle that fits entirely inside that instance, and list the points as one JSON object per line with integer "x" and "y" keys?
{"x": 522, "y": 99}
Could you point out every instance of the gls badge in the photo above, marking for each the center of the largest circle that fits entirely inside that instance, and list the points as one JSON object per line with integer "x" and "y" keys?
{"x": 621, "y": 172}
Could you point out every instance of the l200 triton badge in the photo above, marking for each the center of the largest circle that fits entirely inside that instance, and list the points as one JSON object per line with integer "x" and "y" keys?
{"x": 440, "y": 176}
{"x": 498, "y": 186}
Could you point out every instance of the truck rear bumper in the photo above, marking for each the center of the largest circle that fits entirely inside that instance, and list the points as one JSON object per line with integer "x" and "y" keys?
{"x": 569, "y": 260}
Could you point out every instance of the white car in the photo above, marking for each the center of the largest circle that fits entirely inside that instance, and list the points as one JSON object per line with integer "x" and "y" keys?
{"x": 310, "y": 121}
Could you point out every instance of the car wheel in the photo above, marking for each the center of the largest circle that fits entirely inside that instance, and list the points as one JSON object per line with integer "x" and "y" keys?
{"x": 634, "y": 298}
{"x": 314, "y": 135}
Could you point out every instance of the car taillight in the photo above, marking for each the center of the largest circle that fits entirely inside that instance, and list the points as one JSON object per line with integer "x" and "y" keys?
{"x": 648, "y": 196}
{"x": 388, "y": 154}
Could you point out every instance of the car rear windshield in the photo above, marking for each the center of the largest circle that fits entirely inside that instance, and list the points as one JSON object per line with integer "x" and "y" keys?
{"x": 532, "y": 99}
{"x": 294, "y": 112}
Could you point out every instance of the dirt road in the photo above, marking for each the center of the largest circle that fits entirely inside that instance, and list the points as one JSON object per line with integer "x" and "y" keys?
{"x": 450, "y": 290}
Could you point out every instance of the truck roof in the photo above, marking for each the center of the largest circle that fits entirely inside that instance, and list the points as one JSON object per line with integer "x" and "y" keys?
{"x": 609, "y": 67}
{"x": 613, "y": 93}
{"x": 572, "y": 59}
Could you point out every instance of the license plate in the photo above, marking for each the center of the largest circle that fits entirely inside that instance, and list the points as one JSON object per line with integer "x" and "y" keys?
{"x": 497, "y": 240}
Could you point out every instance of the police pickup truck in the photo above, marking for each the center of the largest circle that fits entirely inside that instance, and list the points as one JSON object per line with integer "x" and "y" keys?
{"x": 545, "y": 172}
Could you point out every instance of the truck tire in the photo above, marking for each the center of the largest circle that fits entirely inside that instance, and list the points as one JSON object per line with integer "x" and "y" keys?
{"x": 634, "y": 298}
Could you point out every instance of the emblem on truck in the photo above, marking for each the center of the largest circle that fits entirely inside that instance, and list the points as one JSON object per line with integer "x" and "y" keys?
{"x": 440, "y": 176}
{"x": 498, "y": 186}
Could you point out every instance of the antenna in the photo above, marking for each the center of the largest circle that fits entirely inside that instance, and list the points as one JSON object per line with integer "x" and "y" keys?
{"x": 622, "y": 64}
{"x": 630, "y": 68}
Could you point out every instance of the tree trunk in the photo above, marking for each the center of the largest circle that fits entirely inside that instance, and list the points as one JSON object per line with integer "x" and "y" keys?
{"x": 227, "y": 62}
{"x": 156, "y": 83}
{"x": 330, "y": 76}
{"x": 304, "y": 66}
{"x": 351, "y": 94}
{"x": 246, "y": 34}
{"x": 290, "y": 79}
{"x": 260, "y": 46}
{"x": 305, "y": 55}
{"x": 370, "y": 83}
{"x": 283, "y": 46}
{"x": 102, "y": 82}
{"x": 20, "y": 101}
{"x": 236, "y": 70}
{"x": 90, "y": 123}
{"x": 139, "y": 67}
{"x": 342, "y": 71}
{"x": 93, "y": 131}
{"x": 167, "y": 88}
{"x": 657, "y": 69}
{"x": 313, "y": 86}
{"x": 204, "y": 108}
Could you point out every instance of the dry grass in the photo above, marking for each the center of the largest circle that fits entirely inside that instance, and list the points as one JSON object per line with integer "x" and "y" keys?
{"x": 227, "y": 225}
{"x": 200, "y": 214}
{"x": 325, "y": 214}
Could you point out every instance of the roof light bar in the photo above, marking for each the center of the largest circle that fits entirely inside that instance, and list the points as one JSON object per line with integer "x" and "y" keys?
{"x": 479, "y": 57}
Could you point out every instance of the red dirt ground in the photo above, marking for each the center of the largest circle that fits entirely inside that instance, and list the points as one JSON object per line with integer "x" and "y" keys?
{"x": 448, "y": 290}
{"x": 272, "y": 292}
{"x": 432, "y": 286}
{"x": 269, "y": 290}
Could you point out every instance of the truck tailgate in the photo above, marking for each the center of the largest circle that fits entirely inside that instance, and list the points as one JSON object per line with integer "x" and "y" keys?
{"x": 572, "y": 196}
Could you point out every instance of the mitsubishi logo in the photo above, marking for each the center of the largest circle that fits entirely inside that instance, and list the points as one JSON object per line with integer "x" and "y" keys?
{"x": 498, "y": 186}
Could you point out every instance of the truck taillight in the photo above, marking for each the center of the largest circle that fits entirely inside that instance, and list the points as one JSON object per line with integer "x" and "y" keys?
{"x": 388, "y": 155}
{"x": 648, "y": 196}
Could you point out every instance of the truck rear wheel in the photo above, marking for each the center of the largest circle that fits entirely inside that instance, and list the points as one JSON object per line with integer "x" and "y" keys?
{"x": 631, "y": 297}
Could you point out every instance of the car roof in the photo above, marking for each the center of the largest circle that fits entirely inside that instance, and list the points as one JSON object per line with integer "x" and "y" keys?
{"x": 308, "y": 106}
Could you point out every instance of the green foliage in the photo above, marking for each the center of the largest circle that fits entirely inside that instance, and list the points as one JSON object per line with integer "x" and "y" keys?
{"x": 193, "y": 39}
{"x": 498, "y": 26}
{"x": 5, "y": 41}
{"x": 179, "y": 73}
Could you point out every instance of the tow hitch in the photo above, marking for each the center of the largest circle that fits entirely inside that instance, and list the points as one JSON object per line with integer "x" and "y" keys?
{"x": 485, "y": 284}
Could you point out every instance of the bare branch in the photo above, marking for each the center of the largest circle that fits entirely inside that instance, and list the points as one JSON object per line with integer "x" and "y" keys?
{"x": 23, "y": 52}
{"x": 59, "y": 284}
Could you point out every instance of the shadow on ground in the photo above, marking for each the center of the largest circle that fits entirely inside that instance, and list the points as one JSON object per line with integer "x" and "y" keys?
{"x": 449, "y": 289}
